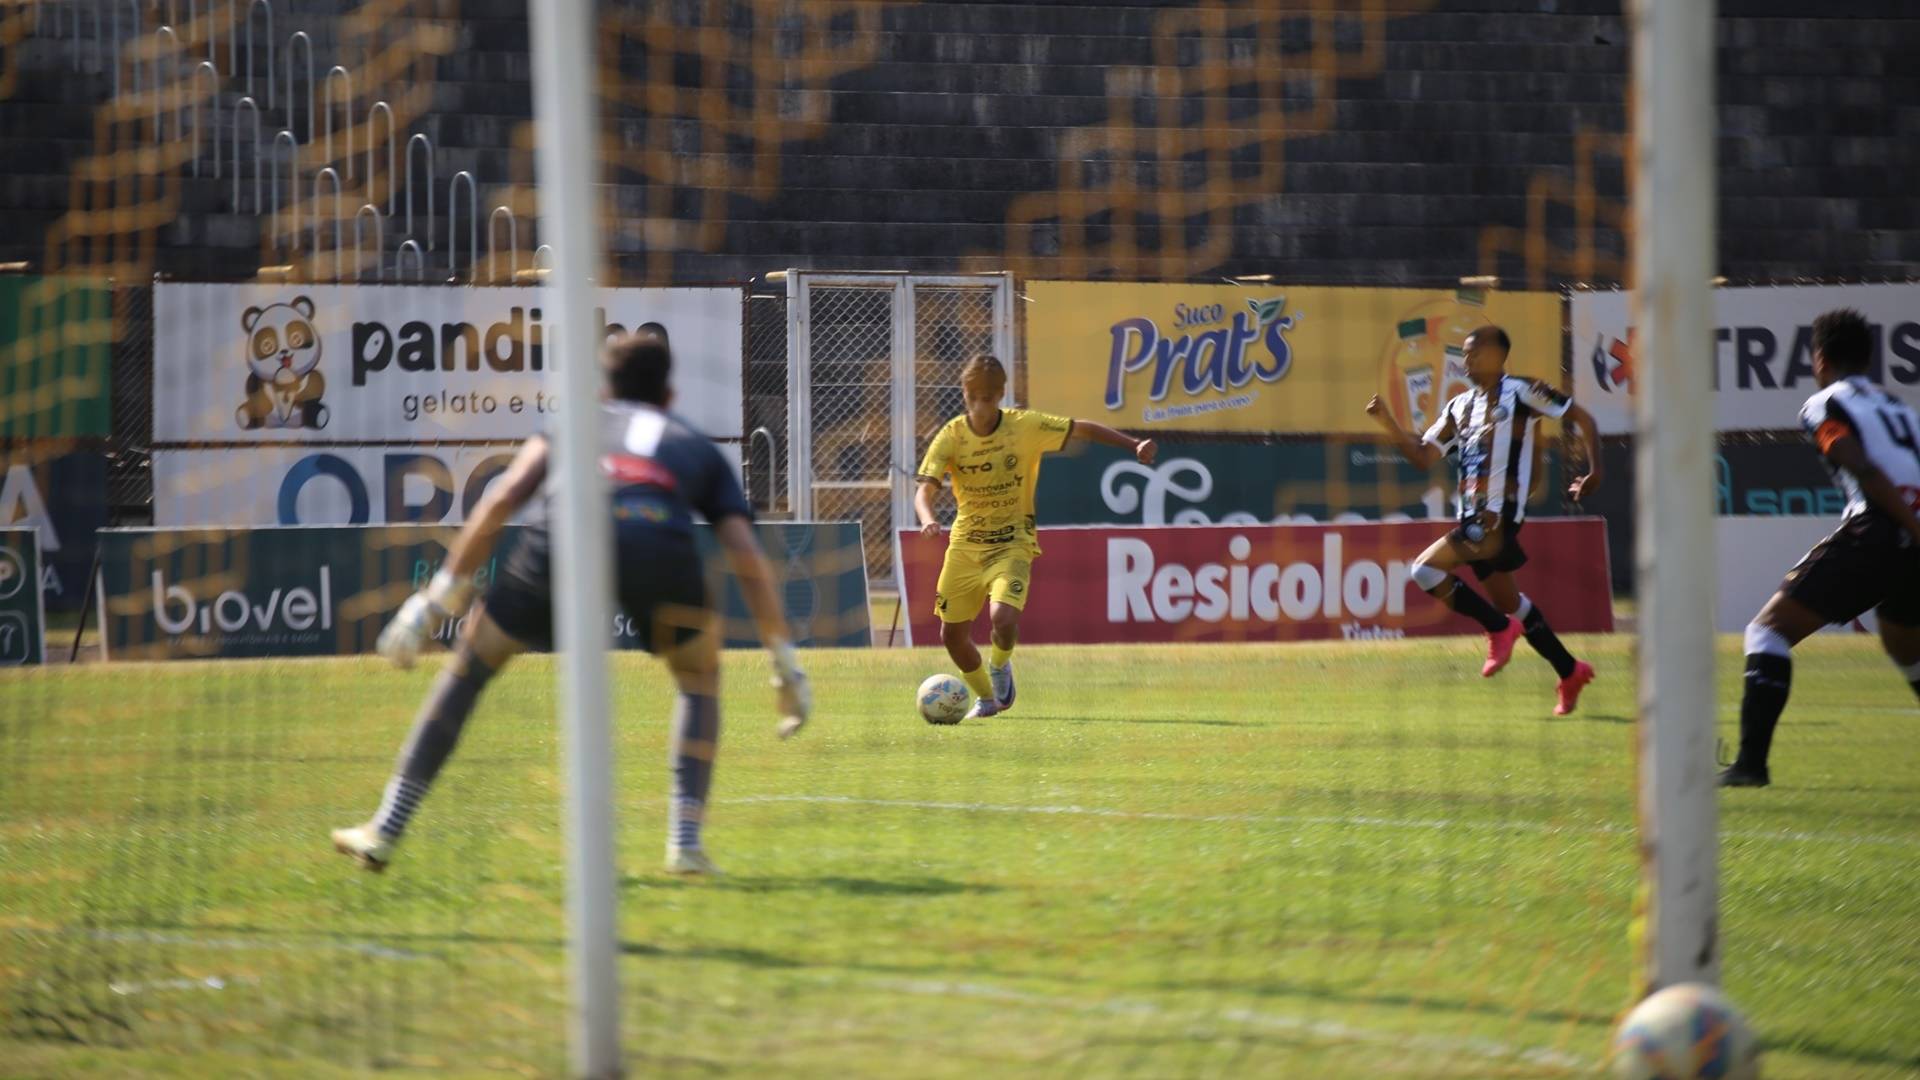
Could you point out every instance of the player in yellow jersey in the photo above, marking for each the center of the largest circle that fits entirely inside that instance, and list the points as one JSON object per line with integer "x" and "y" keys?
{"x": 994, "y": 456}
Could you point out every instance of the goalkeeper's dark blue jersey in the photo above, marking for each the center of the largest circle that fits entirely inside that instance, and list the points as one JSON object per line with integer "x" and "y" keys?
{"x": 661, "y": 471}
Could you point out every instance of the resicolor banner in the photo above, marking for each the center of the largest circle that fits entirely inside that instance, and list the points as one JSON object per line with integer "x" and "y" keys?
{"x": 348, "y": 363}
{"x": 170, "y": 594}
{"x": 322, "y": 485}
{"x": 1762, "y": 354}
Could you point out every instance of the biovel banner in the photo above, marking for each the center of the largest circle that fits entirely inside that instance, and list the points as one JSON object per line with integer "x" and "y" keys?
{"x": 328, "y": 591}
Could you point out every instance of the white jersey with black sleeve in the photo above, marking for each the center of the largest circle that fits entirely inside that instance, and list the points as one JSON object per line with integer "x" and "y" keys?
{"x": 1492, "y": 433}
{"x": 1887, "y": 428}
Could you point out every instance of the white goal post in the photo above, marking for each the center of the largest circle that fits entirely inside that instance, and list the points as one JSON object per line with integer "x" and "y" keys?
{"x": 1673, "y": 260}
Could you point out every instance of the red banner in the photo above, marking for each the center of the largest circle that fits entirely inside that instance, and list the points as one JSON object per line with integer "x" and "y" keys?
{"x": 1262, "y": 582}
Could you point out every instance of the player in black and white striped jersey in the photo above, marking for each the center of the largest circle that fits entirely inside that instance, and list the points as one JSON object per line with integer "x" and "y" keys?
{"x": 1870, "y": 440}
{"x": 1491, "y": 429}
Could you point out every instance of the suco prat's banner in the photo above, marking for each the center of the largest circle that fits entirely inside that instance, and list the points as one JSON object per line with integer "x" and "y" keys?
{"x": 408, "y": 363}
{"x": 1267, "y": 358}
{"x": 1262, "y": 583}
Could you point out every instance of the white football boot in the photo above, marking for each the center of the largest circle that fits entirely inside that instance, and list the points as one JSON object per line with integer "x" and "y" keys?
{"x": 690, "y": 862}
{"x": 365, "y": 845}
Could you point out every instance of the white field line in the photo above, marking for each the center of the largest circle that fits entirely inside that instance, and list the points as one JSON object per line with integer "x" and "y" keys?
{"x": 166, "y": 937}
{"x": 1331, "y": 1030}
{"x": 1355, "y": 820}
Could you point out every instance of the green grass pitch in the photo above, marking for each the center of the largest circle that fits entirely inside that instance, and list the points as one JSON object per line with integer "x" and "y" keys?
{"x": 1341, "y": 860}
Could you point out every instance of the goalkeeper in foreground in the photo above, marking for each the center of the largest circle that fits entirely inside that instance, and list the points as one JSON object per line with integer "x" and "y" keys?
{"x": 659, "y": 472}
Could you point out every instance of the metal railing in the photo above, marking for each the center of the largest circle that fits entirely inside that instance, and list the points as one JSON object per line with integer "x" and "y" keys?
{"x": 205, "y": 67}
{"x": 419, "y": 260}
{"x": 328, "y": 173}
{"x": 421, "y": 140}
{"x": 293, "y": 190}
{"x": 267, "y": 4}
{"x": 299, "y": 37}
{"x": 254, "y": 107}
{"x": 453, "y": 219}
{"x": 366, "y": 211}
{"x": 336, "y": 72}
{"x": 373, "y": 113}
{"x": 513, "y": 244}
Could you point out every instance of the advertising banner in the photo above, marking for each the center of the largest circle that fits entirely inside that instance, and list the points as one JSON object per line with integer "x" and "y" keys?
{"x": 1762, "y": 354}
{"x": 1304, "y": 481}
{"x": 407, "y": 363}
{"x": 1270, "y": 358}
{"x": 288, "y": 485}
{"x": 56, "y": 349}
{"x": 1765, "y": 477}
{"x": 59, "y": 489}
{"x": 1754, "y": 554}
{"x": 1261, "y": 583}
{"x": 23, "y": 618}
{"x": 327, "y": 591}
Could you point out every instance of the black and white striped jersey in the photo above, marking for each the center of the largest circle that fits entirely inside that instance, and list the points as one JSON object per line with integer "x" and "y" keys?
{"x": 1888, "y": 430}
{"x": 1492, "y": 432}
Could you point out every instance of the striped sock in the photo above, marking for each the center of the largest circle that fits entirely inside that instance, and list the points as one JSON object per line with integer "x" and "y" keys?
{"x": 683, "y": 822}
{"x": 402, "y": 798}
{"x": 696, "y": 738}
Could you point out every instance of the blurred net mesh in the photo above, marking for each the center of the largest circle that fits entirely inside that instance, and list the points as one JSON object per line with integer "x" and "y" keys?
{"x": 1190, "y": 860}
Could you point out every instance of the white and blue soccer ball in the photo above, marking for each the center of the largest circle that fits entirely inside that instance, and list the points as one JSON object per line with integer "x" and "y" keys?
{"x": 1685, "y": 1032}
{"x": 943, "y": 699}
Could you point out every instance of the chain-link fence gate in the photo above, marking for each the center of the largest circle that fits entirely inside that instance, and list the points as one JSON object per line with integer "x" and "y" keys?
{"x": 873, "y": 370}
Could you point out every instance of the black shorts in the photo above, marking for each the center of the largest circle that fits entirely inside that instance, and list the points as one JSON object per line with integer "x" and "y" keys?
{"x": 660, "y": 586}
{"x": 1868, "y": 563}
{"x": 1509, "y": 558}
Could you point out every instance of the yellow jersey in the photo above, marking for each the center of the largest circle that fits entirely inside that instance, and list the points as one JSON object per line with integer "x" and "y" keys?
{"x": 994, "y": 475}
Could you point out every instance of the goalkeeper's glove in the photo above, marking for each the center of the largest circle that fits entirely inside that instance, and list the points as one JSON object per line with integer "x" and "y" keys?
{"x": 791, "y": 689}
{"x": 421, "y": 617}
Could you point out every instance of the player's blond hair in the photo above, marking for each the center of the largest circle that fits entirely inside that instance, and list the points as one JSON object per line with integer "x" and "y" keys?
{"x": 985, "y": 366}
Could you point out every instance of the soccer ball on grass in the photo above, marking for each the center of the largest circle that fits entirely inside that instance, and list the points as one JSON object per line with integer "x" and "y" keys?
{"x": 1685, "y": 1032}
{"x": 942, "y": 699}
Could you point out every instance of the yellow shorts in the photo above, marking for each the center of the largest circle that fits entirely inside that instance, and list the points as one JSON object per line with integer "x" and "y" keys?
{"x": 970, "y": 575}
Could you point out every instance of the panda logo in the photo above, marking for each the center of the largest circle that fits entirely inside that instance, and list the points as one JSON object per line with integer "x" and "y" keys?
{"x": 283, "y": 350}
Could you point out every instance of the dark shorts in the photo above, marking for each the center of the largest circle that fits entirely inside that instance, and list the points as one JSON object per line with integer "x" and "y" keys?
{"x": 1868, "y": 563}
{"x": 1509, "y": 558}
{"x": 660, "y": 588}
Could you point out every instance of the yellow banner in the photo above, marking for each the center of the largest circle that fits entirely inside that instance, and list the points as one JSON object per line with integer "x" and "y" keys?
{"x": 1270, "y": 358}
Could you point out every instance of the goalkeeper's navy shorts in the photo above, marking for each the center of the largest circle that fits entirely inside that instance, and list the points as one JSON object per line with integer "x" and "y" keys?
{"x": 660, "y": 587}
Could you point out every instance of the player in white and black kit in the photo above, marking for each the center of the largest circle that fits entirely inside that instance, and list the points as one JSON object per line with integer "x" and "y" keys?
{"x": 659, "y": 473}
{"x": 1871, "y": 442}
{"x": 1490, "y": 430}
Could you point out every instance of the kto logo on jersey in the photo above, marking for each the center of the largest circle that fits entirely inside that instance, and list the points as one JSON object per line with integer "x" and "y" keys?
{"x": 1612, "y": 361}
{"x": 1208, "y": 351}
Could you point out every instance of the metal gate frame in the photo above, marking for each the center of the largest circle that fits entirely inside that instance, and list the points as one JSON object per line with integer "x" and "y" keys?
{"x": 902, "y": 399}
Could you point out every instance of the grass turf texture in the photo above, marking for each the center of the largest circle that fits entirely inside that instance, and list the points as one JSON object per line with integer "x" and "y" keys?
{"x": 1343, "y": 860}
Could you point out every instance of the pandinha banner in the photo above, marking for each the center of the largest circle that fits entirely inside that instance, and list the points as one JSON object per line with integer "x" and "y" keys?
{"x": 1262, "y": 583}
{"x": 345, "y": 363}
{"x": 167, "y": 594}
{"x": 1269, "y": 358}
{"x": 1762, "y": 355}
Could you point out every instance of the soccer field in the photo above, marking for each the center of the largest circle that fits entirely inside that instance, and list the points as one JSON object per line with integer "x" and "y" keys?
{"x": 1343, "y": 860}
